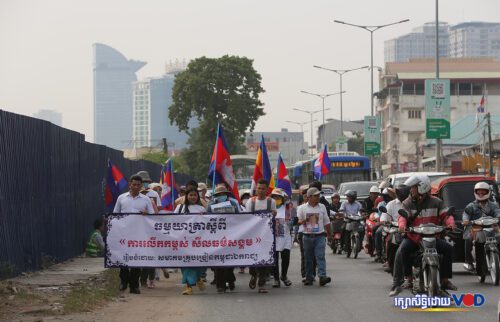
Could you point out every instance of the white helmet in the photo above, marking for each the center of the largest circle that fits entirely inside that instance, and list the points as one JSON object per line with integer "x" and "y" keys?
{"x": 482, "y": 186}
{"x": 420, "y": 180}
{"x": 383, "y": 185}
{"x": 374, "y": 189}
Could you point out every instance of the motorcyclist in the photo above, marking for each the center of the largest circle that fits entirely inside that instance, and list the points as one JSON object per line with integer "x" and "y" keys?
{"x": 369, "y": 202}
{"x": 402, "y": 192}
{"x": 350, "y": 207}
{"x": 388, "y": 194}
{"x": 334, "y": 209}
{"x": 423, "y": 208}
{"x": 480, "y": 207}
{"x": 383, "y": 185}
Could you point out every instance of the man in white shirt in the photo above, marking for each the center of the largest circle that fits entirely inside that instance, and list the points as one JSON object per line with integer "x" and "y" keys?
{"x": 314, "y": 217}
{"x": 132, "y": 202}
{"x": 258, "y": 203}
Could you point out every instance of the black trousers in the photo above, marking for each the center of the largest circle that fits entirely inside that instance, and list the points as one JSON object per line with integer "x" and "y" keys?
{"x": 260, "y": 273}
{"x": 408, "y": 247}
{"x": 130, "y": 277}
{"x": 224, "y": 275}
{"x": 481, "y": 268}
{"x": 285, "y": 262}
{"x": 378, "y": 240}
{"x": 147, "y": 272}
{"x": 302, "y": 259}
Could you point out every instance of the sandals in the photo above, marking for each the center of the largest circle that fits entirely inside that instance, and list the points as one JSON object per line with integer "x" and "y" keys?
{"x": 263, "y": 290}
{"x": 449, "y": 286}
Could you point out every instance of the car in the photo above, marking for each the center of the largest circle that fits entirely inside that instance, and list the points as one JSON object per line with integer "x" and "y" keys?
{"x": 394, "y": 179}
{"x": 458, "y": 192}
{"x": 361, "y": 187}
{"x": 327, "y": 190}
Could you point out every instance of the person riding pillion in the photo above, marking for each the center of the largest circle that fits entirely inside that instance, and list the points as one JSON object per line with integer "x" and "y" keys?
{"x": 480, "y": 207}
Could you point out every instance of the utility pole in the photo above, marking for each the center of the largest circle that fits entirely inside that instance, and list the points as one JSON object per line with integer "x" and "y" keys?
{"x": 490, "y": 144}
{"x": 438, "y": 141}
{"x": 395, "y": 150}
{"x": 417, "y": 152}
{"x": 165, "y": 145}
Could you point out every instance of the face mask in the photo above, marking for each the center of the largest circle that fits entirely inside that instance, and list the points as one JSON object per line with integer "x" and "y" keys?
{"x": 146, "y": 185}
{"x": 244, "y": 201}
{"x": 221, "y": 198}
{"x": 279, "y": 202}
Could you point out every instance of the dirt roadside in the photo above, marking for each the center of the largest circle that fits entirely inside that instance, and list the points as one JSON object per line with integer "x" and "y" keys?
{"x": 81, "y": 289}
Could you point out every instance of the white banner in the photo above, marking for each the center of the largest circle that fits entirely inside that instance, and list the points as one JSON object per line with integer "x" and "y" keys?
{"x": 190, "y": 240}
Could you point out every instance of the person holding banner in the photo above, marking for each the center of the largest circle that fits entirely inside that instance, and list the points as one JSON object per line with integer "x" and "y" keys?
{"x": 283, "y": 237}
{"x": 316, "y": 222}
{"x": 260, "y": 202}
{"x": 132, "y": 202}
{"x": 221, "y": 204}
{"x": 191, "y": 275}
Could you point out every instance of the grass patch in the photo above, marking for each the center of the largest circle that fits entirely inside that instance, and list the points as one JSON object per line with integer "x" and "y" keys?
{"x": 85, "y": 297}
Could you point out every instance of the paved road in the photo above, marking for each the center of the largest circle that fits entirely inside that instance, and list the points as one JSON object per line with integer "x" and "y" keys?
{"x": 358, "y": 293}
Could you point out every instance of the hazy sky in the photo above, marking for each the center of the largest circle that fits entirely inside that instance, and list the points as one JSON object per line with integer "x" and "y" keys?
{"x": 46, "y": 47}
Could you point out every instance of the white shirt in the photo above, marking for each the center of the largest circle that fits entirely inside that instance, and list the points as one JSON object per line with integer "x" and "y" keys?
{"x": 350, "y": 208}
{"x": 153, "y": 194}
{"x": 128, "y": 204}
{"x": 315, "y": 217}
{"x": 193, "y": 209}
{"x": 259, "y": 204}
{"x": 392, "y": 211}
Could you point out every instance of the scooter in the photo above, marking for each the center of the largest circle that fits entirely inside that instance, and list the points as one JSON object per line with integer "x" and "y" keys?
{"x": 336, "y": 222}
{"x": 484, "y": 232}
{"x": 427, "y": 258}
{"x": 371, "y": 223}
{"x": 354, "y": 224}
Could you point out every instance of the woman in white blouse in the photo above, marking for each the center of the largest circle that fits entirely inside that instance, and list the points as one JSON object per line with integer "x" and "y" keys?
{"x": 191, "y": 275}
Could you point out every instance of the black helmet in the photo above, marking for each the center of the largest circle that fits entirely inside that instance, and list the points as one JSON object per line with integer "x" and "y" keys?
{"x": 402, "y": 191}
{"x": 351, "y": 193}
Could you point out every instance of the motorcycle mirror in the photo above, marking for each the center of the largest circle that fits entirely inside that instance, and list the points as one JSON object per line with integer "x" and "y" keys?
{"x": 382, "y": 209}
{"x": 403, "y": 213}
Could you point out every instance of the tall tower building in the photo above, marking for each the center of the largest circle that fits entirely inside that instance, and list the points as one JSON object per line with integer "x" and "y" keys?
{"x": 152, "y": 98}
{"x": 113, "y": 78}
{"x": 475, "y": 39}
{"x": 420, "y": 43}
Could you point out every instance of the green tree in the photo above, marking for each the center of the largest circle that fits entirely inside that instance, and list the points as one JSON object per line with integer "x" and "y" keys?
{"x": 215, "y": 90}
{"x": 357, "y": 143}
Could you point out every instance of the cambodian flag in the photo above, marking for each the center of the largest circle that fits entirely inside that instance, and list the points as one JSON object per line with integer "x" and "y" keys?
{"x": 221, "y": 167}
{"x": 262, "y": 168}
{"x": 115, "y": 185}
{"x": 168, "y": 188}
{"x": 283, "y": 179}
{"x": 322, "y": 164}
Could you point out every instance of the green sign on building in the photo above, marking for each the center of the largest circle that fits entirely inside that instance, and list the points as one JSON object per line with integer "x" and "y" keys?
{"x": 437, "y": 108}
{"x": 372, "y": 135}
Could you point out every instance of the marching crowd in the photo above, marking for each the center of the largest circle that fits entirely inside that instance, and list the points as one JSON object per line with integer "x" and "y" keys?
{"x": 310, "y": 224}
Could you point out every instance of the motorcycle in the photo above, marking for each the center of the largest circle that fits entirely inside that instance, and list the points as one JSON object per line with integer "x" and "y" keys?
{"x": 391, "y": 239}
{"x": 336, "y": 222}
{"x": 354, "y": 224}
{"x": 427, "y": 259}
{"x": 371, "y": 223}
{"x": 484, "y": 232}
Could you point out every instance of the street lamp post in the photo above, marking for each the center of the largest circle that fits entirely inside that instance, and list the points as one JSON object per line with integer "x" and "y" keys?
{"x": 311, "y": 113}
{"x": 371, "y": 29}
{"x": 323, "y": 96}
{"x": 341, "y": 73}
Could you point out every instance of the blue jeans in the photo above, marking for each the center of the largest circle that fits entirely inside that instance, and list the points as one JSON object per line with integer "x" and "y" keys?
{"x": 314, "y": 247}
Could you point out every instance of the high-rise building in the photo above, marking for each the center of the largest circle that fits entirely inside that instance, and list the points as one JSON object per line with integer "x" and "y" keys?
{"x": 420, "y": 43}
{"x": 475, "y": 39}
{"x": 49, "y": 115}
{"x": 113, "y": 78}
{"x": 152, "y": 98}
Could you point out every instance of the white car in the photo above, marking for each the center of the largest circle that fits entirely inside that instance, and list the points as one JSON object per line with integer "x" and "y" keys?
{"x": 395, "y": 179}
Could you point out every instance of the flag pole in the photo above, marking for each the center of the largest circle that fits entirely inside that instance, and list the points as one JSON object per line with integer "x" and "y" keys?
{"x": 278, "y": 170}
{"x": 215, "y": 159}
